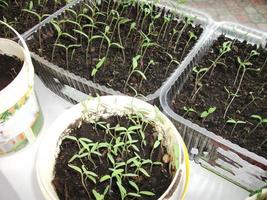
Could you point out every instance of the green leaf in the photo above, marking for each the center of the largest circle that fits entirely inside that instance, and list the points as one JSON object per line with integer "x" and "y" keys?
{"x": 211, "y": 110}
{"x": 107, "y": 28}
{"x": 97, "y": 195}
{"x": 157, "y": 163}
{"x": 87, "y": 17}
{"x": 146, "y": 161}
{"x": 130, "y": 175}
{"x": 75, "y": 168}
{"x": 133, "y": 184}
{"x": 106, "y": 190}
{"x": 74, "y": 45}
{"x": 141, "y": 73}
{"x": 101, "y": 62}
{"x": 117, "y": 45}
{"x": 56, "y": 26}
{"x": 117, "y": 172}
{"x": 120, "y": 128}
{"x": 133, "y": 128}
{"x": 135, "y": 147}
{"x": 90, "y": 173}
{"x": 70, "y": 138}
{"x": 121, "y": 188}
{"x": 256, "y": 117}
{"x": 104, "y": 178}
{"x": 111, "y": 159}
{"x": 144, "y": 172}
{"x": 133, "y": 26}
{"x": 73, "y": 158}
{"x": 147, "y": 193}
{"x": 203, "y": 70}
{"x": 120, "y": 164}
{"x": 85, "y": 140}
{"x": 96, "y": 37}
{"x": 68, "y": 35}
{"x": 94, "y": 71}
{"x": 231, "y": 121}
{"x": 135, "y": 61}
{"x": 131, "y": 160}
{"x": 124, "y": 20}
{"x": 60, "y": 45}
{"x": 204, "y": 114}
{"x": 134, "y": 194}
{"x": 81, "y": 33}
{"x": 156, "y": 144}
{"x": 103, "y": 144}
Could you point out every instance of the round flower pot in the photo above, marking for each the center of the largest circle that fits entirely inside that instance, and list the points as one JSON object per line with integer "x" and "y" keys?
{"x": 106, "y": 106}
{"x": 20, "y": 116}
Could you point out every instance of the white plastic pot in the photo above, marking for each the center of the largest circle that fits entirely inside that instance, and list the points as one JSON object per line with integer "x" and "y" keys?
{"x": 107, "y": 106}
{"x": 20, "y": 116}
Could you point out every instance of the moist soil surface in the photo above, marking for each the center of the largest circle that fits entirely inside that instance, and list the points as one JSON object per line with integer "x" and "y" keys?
{"x": 68, "y": 183}
{"x": 21, "y": 20}
{"x": 9, "y": 68}
{"x": 250, "y": 100}
{"x": 162, "y": 46}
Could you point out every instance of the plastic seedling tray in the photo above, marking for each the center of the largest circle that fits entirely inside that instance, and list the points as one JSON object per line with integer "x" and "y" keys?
{"x": 75, "y": 88}
{"x": 238, "y": 165}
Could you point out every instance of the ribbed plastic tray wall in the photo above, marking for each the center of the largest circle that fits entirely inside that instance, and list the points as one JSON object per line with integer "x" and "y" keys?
{"x": 58, "y": 79}
{"x": 236, "y": 164}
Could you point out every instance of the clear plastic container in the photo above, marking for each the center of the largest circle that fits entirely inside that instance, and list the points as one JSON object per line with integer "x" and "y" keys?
{"x": 75, "y": 88}
{"x": 219, "y": 155}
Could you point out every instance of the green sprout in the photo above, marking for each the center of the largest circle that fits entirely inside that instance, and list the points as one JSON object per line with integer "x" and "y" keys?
{"x": 97, "y": 67}
{"x": 253, "y": 99}
{"x": 261, "y": 121}
{"x": 197, "y": 85}
{"x": 192, "y": 36}
{"x": 188, "y": 21}
{"x": 99, "y": 196}
{"x": 173, "y": 60}
{"x": 40, "y": 18}
{"x": 205, "y": 114}
{"x": 67, "y": 48}
{"x": 188, "y": 110}
{"x": 244, "y": 65}
{"x": 137, "y": 192}
{"x": 134, "y": 69}
{"x": 235, "y": 122}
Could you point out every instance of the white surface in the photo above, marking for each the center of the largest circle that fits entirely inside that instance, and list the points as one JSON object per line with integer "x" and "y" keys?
{"x": 18, "y": 179}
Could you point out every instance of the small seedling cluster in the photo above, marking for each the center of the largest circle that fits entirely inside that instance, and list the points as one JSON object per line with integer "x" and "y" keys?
{"x": 124, "y": 40}
{"x": 115, "y": 157}
{"x": 240, "y": 100}
{"x": 23, "y": 14}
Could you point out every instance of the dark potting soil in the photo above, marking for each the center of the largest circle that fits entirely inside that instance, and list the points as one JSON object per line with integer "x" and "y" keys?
{"x": 68, "y": 182}
{"x": 116, "y": 69}
{"x": 9, "y": 68}
{"x": 22, "y": 21}
{"x": 250, "y": 100}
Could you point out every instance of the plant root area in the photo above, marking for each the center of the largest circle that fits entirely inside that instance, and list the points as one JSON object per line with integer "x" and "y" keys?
{"x": 160, "y": 44}
{"x": 69, "y": 183}
{"x": 217, "y": 89}
{"x": 9, "y": 68}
